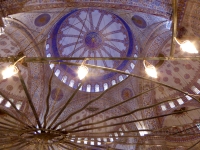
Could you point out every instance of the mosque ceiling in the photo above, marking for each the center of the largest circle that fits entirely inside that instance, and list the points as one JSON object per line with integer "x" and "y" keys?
{"x": 46, "y": 106}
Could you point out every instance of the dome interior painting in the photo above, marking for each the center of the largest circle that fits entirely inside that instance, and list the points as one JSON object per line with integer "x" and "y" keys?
{"x": 139, "y": 88}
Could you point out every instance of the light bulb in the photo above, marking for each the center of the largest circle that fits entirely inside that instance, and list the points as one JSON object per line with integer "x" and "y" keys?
{"x": 187, "y": 46}
{"x": 9, "y": 71}
{"x": 82, "y": 72}
{"x": 151, "y": 71}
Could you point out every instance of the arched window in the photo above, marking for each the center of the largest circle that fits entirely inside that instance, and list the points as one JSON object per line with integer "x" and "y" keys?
{"x": 180, "y": 101}
{"x": 136, "y": 47}
{"x": 73, "y": 138}
{"x": 105, "y": 139}
{"x": 79, "y": 140}
{"x": 113, "y": 82}
{"x": 163, "y": 107}
{"x": 71, "y": 84}
{"x": 19, "y": 105}
{"x": 121, "y": 132}
{"x": 85, "y": 140}
{"x": 58, "y": 127}
{"x": 171, "y": 104}
{"x": 132, "y": 65}
{"x": 195, "y": 89}
{"x": 96, "y": 88}
{"x": 51, "y": 66}
{"x": 64, "y": 79}
{"x": 88, "y": 88}
{"x": 8, "y": 104}
{"x": 1, "y": 99}
{"x": 80, "y": 89}
{"x": 116, "y": 135}
{"x": 120, "y": 78}
{"x": 188, "y": 97}
{"x": 198, "y": 81}
{"x": 92, "y": 141}
{"x": 105, "y": 86}
{"x": 98, "y": 141}
{"x": 127, "y": 71}
{"x": 111, "y": 138}
{"x": 49, "y": 55}
{"x": 47, "y": 46}
{"x": 168, "y": 24}
{"x": 57, "y": 72}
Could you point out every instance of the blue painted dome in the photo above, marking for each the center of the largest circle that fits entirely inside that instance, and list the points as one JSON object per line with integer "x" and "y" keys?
{"x": 91, "y": 33}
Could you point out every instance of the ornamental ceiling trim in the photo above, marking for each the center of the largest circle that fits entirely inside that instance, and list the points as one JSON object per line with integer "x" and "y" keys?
{"x": 17, "y": 8}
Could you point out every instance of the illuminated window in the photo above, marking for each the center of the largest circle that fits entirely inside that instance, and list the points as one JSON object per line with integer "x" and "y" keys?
{"x": 71, "y": 84}
{"x": 113, "y": 82}
{"x": 57, "y": 72}
{"x": 198, "y": 125}
{"x": 105, "y": 86}
{"x": 79, "y": 140}
{"x": 121, "y": 132}
{"x": 195, "y": 89}
{"x": 96, "y": 88}
{"x": 64, "y": 79}
{"x": 168, "y": 24}
{"x": 198, "y": 81}
{"x": 127, "y": 71}
{"x": 8, "y": 104}
{"x": 120, "y": 78}
{"x": 1, "y": 99}
{"x": 188, "y": 97}
{"x": 116, "y": 135}
{"x": 111, "y": 139}
{"x": 171, "y": 104}
{"x": 132, "y": 65}
{"x": 51, "y": 66}
{"x": 135, "y": 55}
{"x": 92, "y": 141}
{"x": 163, "y": 107}
{"x": 85, "y": 140}
{"x": 105, "y": 139}
{"x": 19, "y": 105}
{"x": 180, "y": 101}
{"x": 80, "y": 87}
{"x": 47, "y": 46}
{"x": 49, "y": 55}
{"x": 136, "y": 47}
{"x": 88, "y": 88}
{"x": 73, "y": 138}
{"x": 98, "y": 143}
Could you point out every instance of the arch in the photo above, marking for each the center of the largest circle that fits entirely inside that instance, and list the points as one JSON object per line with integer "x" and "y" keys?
{"x": 105, "y": 86}
{"x": 88, "y": 89}
{"x": 96, "y": 88}
{"x": 57, "y": 73}
{"x": 71, "y": 84}
{"x": 64, "y": 79}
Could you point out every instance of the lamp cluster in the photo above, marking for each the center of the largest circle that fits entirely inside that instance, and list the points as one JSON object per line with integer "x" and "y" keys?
{"x": 186, "y": 46}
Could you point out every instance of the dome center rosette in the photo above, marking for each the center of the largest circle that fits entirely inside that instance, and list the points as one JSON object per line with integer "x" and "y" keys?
{"x": 93, "y": 40}
{"x": 94, "y": 33}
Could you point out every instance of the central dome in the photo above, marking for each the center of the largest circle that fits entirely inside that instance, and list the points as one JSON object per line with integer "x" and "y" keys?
{"x": 93, "y": 40}
{"x": 90, "y": 33}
